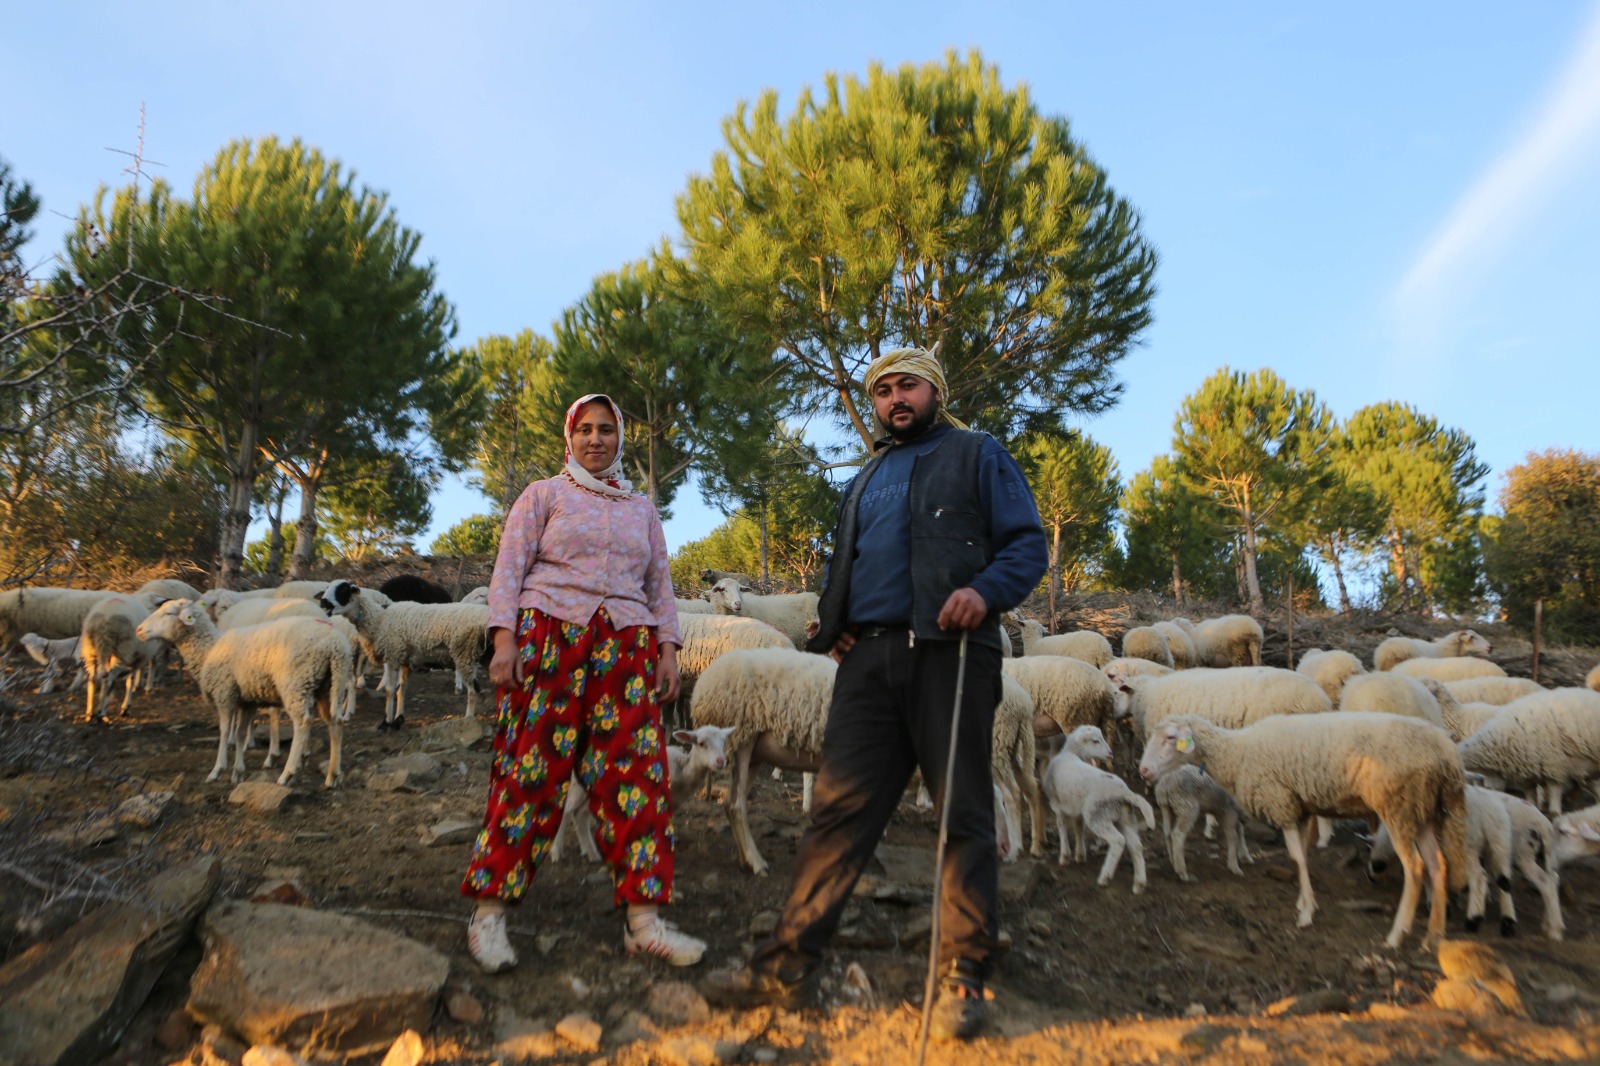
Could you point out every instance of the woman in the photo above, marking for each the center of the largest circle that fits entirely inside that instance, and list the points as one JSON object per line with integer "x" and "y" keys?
{"x": 585, "y": 634}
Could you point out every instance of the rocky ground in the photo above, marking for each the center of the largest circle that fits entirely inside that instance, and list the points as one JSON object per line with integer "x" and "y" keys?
{"x": 1184, "y": 973}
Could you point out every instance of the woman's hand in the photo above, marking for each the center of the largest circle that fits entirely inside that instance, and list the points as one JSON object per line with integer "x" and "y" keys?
{"x": 505, "y": 669}
{"x": 667, "y": 674}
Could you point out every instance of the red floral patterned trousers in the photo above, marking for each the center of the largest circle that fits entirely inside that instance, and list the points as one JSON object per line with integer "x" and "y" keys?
{"x": 586, "y": 705}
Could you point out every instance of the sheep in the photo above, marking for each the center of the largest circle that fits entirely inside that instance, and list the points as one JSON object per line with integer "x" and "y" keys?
{"x": 1235, "y": 638}
{"x": 254, "y": 612}
{"x": 1013, "y": 758}
{"x": 1496, "y": 690}
{"x": 1577, "y": 835}
{"x": 1461, "y": 720}
{"x": 1448, "y": 669}
{"x": 1391, "y": 693}
{"x": 1488, "y": 845}
{"x": 1593, "y": 680}
{"x": 1397, "y": 650}
{"x": 1287, "y": 769}
{"x": 477, "y": 595}
{"x": 1146, "y": 642}
{"x": 55, "y": 656}
{"x": 689, "y": 606}
{"x": 1330, "y": 669}
{"x": 1119, "y": 669}
{"x": 406, "y": 634}
{"x": 1084, "y": 645}
{"x": 414, "y": 588}
{"x": 710, "y": 577}
{"x": 111, "y": 650}
{"x": 1179, "y": 642}
{"x": 295, "y": 663}
{"x": 1232, "y": 698}
{"x": 215, "y": 601}
{"x": 169, "y": 588}
{"x": 687, "y": 769}
{"x": 1549, "y": 739}
{"x": 707, "y": 636}
{"x": 1532, "y": 834}
{"x": 1066, "y": 693}
{"x": 1107, "y": 807}
{"x": 789, "y": 612}
{"x": 776, "y": 700}
{"x": 1182, "y": 796}
{"x": 53, "y": 613}
{"x": 246, "y": 736}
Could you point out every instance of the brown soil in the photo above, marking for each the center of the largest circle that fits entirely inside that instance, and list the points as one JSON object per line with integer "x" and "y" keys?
{"x": 1092, "y": 975}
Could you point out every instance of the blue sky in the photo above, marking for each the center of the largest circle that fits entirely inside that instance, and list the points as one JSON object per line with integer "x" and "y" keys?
{"x": 1378, "y": 201}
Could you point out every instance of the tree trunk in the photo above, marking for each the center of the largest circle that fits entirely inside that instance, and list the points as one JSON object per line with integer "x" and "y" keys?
{"x": 1177, "y": 579}
{"x": 1291, "y": 618}
{"x": 275, "y": 537}
{"x": 1055, "y": 572}
{"x": 765, "y": 573}
{"x": 305, "y": 530}
{"x": 1338, "y": 577}
{"x": 1538, "y": 634}
{"x": 236, "y": 518}
{"x": 1252, "y": 582}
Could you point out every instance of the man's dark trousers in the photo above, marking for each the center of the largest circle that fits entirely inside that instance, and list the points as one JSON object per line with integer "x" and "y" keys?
{"x": 891, "y": 712}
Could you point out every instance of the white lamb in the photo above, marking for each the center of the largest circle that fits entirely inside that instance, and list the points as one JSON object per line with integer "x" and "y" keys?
{"x": 1459, "y": 669}
{"x": 1101, "y": 801}
{"x": 1179, "y": 641}
{"x": 1550, "y": 739}
{"x": 1496, "y": 690}
{"x": 1234, "y": 639}
{"x": 298, "y": 664}
{"x": 1146, "y": 642}
{"x": 404, "y": 635}
{"x": 788, "y": 612}
{"x": 1233, "y": 697}
{"x": 1532, "y": 834}
{"x": 1290, "y": 768}
{"x": 1330, "y": 669}
{"x": 57, "y": 657}
{"x": 1397, "y": 650}
{"x": 1183, "y": 795}
{"x": 1578, "y": 835}
{"x": 1084, "y": 645}
{"x": 111, "y": 650}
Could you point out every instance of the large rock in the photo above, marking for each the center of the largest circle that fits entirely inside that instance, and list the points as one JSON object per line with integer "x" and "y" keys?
{"x": 1463, "y": 960}
{"x": 263, "y": 797}
{"x": 68, "y": 1001}
{"x": 323, "y": 985}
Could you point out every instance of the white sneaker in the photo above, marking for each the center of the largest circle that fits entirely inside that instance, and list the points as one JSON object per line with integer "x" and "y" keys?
{"x": 663, "y": 940}
{"x": 486, "y": 939}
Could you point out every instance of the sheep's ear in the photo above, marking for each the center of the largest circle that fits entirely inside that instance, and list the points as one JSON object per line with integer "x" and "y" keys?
{"x": 1589, "y": 832}
{"x": 1184, "y": 741}
{"x": 746, "y": 588}
{"x": 187, "y": 615}
{"x": 683, "y": 736}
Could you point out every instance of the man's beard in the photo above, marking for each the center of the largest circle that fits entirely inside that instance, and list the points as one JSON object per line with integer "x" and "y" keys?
{"x": 921, "y": 422}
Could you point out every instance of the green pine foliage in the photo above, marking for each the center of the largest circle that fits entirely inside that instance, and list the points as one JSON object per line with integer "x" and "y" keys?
{"x": 1545, "y": 545}
{"x": 477, "y": 534}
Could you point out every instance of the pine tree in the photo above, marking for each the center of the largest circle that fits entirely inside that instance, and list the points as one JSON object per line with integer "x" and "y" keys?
{"x": 1075, "y": 486}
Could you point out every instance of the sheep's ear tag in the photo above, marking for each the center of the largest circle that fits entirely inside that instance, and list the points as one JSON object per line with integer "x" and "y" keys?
{"x": 1185, "y": 744}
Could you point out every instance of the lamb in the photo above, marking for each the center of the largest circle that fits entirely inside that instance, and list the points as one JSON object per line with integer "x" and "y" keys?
{"x": 1397, "y": 650}
{"x": 1488, "y": 845}
{"x": 1577, "y": 835}
{"x": 294, "y": 663}
{"x": 477, "y": 595}
{"x": 1235, "y": 638}
{"x": 1146, "y": 642}
{"x": 1496, "y": 690}
{"x": 1179, "y": 641}
{"x": 1391, "y": 693}
{"x": 1460, "y": 669}
{"x": 776, "y": 700}
{"x": 1233, "y": 698}
{"x": 789, "y": 612}
{"x": 1550, "y": 739}
{"x": 1066, "y": 693}
{"x": 1330, "y": 669}
{"x": 1107, "y": 807}
{"x": 56, "y": 656}
{"x": 1533, "y": 834}
{"x": 414, "y": 588}
{"x": 1013, "y": 758}
{"x": 1182, "y": 796}
{"x": 1287, "y": 769}
{"x": 404, "y": 635}
{"x": 1084, "y": 645}
{"x": 111, "y": 650}
{"x": 53, "y": 613}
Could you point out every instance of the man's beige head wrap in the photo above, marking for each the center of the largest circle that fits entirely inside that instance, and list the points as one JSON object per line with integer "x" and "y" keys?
{"x": 919, "y": 361}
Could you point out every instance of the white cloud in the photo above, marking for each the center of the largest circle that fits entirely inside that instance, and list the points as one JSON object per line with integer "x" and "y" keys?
{"x": 1515, "y": 186}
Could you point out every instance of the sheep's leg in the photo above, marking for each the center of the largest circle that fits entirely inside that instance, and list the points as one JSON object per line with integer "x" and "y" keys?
{"x": 131, "y": 682}
{"x": 1061, "y": 837}
{"x": 808, "y": 787}
{"x": 1324, "y": 832}
{"x": 1549, "y": 886}
{"x": 1477, "y": 893}
{"x": 89, "y": 697}
{"x": 1178, "y": 843}
{"x": 1210, "y": 832}
{"x": 1130, "y": 833}
{"x": 273, "y": 736}
{"x": 301, "y": 717}
{"x": 1081, "y": 834}
{"x": 1408, "y": 852}
{"x": 1433, "y": 862}
{"x": 1030, "y": 785}
{"x": 739, "y": 811}
{"x": 225, "y": 728}
{"x": 1306, "y": 905}
{"x": 1108, "y": 832}
{"x": 402, "y": 674}
{"x": 1234, "y": 833}
{"x": 335, "y": 741}
{"x": 1013, "y": 816}
{"x": 1552, "y": 794}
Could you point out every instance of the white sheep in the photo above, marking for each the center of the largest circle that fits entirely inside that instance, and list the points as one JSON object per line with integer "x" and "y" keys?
{"x": 246, "y": 735}
{"x": 216, "y": 601}
{"x": 53, "y": 613}
{"x": 776, "y": 700}
{"x": 1101, "y": 801}
{"x": 1118, "y": 670}
{"x": 1233, "y": 638}
{"x": 1459, "y": 669}
{"x": 1549, "y": 739}
{"x": 1180, "y": 642}
{"x": 1497, "y": 690}
{"x": 254, "y": 612}
{"x": 169, "y": 588}
{"x": 1488, "y": 855}
{"x": 1397, "y": 650}
{"x": 1085, "y": 645}
{"x": 1330, "y": 669}
{"x": 403, "y": 635}
{"x": 1183, "y": 795}
{"x": 1461, "y": 720}
{"x": 1391, "y": 693}
{"x": 692, "y": 606}
{"x": 1532, "y": 834}
{"x": 477, "y": 595}
{"x": 1013, "y": 763}
{"x": 1287, "y": 769}
{"x": 1578, "y": 835}
{"x": 111, "y": 650}
{"x": 1233, "y": 697}
{"x": 788, "y": 612}
{"x": 1146, "y": 642}
{"x": 56, "y": 656}
{"x": 297, "y": 664}
{"x": 289, "y": 590}
{"x": 1066, "y": 693}
{"x": 706, "y": 636}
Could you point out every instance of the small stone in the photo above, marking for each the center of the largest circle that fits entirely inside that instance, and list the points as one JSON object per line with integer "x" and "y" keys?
{"x": 632, "y": 1026}
{"x": 262, "y": 797}
{"x": 221, "y": 1045}
{"x": 858, "y": 986}
{"x": 451, "y": 734}
{"x": 579, "y": 987}
{"x": 1283, "y": 873}
{"x": 419, "y": 767}
{"x": 581, "y": 1031}
{"x": 144, "y": 810}
{"x": 463, "y": 1006}
{"x": 1466, "y": 996}
{"x": 689, "y": 1051}
{"x": 1561, "y": 994}
{"x": 1319, "y": 1002}
{"x": 269, "y": 1055}
{"x": 1465, "y": 960}
{"x": 449, "y": 832}
{"x": 1195, "y": 1010}
{"x": 763, "y": 925}
{"x": 1206, "y": 1037}
{"x": 407, "y": 1050}
{"x": 283, "y": 890}
{"x": 1019, "y": 881}
{"x": 1388, "y": 1012}
{"x": 175, "y": 1032}
{"x": 388, "y": 780}
{"x": 545, "y": 943}
{"x": 677, "y": 1003}
{"x": 765, "y": 1055}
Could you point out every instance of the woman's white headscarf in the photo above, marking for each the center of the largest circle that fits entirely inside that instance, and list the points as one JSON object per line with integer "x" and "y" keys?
{"x": 610, "y": 481}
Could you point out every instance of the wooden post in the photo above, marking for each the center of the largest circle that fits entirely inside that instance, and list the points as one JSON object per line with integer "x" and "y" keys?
{"x": 1291, "y": 619}
{"x": 1538, "y": 626}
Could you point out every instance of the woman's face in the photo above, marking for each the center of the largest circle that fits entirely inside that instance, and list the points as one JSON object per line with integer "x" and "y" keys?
{"x": 594, "y": 437}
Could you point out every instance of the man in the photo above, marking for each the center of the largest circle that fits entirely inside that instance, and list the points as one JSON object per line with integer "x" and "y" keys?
{"x": 937, "y": 535}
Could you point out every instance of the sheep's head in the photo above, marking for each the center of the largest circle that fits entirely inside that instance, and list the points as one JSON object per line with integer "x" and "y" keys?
{"x": 338, "y": 597}
{"x": 1088, "y": 743}
{"x": 726, "y": 596}
{"x": 707, "y": 744}
{"x": 36, "y": 647}
{"x": 170, "y": 621}
{"x": 1172, "y": 745}
{"x": 1575, "y": 839}
{"x": 1470, "y": 642}
{"x": 1122, "y": 692}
